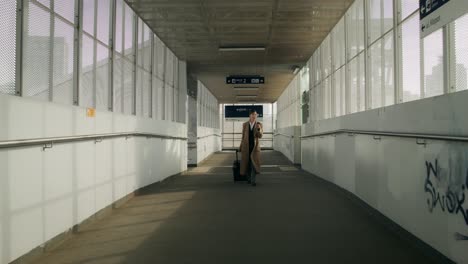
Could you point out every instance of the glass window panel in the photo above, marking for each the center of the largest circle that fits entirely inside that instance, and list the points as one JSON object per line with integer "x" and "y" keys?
{"x": 375, "y": 19}
{"x": 339, "y": 45}
{"x": 362, "y": 83}
{"x": 160, "y": 101}
{"x": 147, "y": 49}
{"x": 36, "y": 53}
{"x": 326, "y": 57}
{"x": 408, "y": 7}
{"x": 118, "y": 83}
{"x": 128, "y": 87}
{"x": 66, "y": 9}
{"x": 360, "y": 24}
{"x": 8, "y": 47}
{"x": 87, "y": 72}
{"x": 351, "y": 29}
{"x": 354, "y": 84}
{"x": 411, "y": 67}
{"x": 337, "y": 91}
{"x": 139, "y": 84}
{"x": 103, "y": 21}
{"x": 140, "y": 43}
{"x": 88, "y": 16}
{"x": 387, "y": 15}
{"x": 461, "y": 53}
{"x": 326, "y": 98}
{"x": 119, "y": 26}
{"x": 64, "y": 34}
{"x": 102, "y": 77}
{"x": 433, "y": 64}
{"x": 389, "y": 70}
{"x": 318, "y": 66}
{"x": 375, "y": 68}
{"x": 128, "y": 28}
{"x": 169, "y": 78}
{"x": 161, "y": 49}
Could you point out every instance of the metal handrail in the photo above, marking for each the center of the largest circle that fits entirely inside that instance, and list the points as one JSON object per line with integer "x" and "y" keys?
{"x": 389, "y": 134}
{"x": 240, "y": 133}
{"x": 210, "y": 135}
{"x": 60, "y": 140}
{"x": 284, "y": 135}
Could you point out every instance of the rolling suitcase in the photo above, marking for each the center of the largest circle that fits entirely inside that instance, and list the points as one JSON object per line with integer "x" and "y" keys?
{"x": 236, "y": 170}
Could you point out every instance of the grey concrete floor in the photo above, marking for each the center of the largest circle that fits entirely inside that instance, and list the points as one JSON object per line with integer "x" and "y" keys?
{"x": 203, "y": 217}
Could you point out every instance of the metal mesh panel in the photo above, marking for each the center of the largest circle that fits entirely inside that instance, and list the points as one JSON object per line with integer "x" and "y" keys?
{"x": 169, "y": 78}
{"x": 7, "y": 47}
{"x": 339, "y": 48}
{"x": 326, "y": 98}
{"x": 63, "y": 62}
{"x": 66, "y": 9}
{"x": 387, "y": 15}
{"x": 169, "y": 102}
{"x": 160, "y": 50}
{"x": 355, "y": 28}
{"x": 433, "y": 64}
{"x": 146, "y": 93}
{"x": 128, "y": 86}
{"x": 375, "y": 19}
{"x": 319, "y": 101}
{"x": 147, "y": 49}
{"x": 408, "y": 7}
{"x": 362, "y": 83}
{"x": 140, "y": 43}
{"x": 45, "y": 2}
{"x": 375, "y": 68}
{"x": 118, "y": 26}
{"x": 318, "y": 66}
{"x": 118, "y": 89}
{"x": 154, "y": 97}
{"x": 139, "y": 89}
{"x": 103, "y": 21}
{"x": 87, "y": 72}
{"x": 339, "y": 83}
{"x": 102, "y": 77}
{"x": 354, "y": 83}
{"x": 411, "y": 59}
{"x": 128, "y": 38}
{"x": 461, "y": 53}
{"x": 88, "y": 16}
{"x": 326, "y": 57}
{"x": 160, "y": 99}
{"x": 37, "y": 53}
{"x": 389, "y": 70}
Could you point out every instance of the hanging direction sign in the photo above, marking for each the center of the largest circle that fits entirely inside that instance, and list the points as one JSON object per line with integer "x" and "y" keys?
{"x": 434, "y": 14}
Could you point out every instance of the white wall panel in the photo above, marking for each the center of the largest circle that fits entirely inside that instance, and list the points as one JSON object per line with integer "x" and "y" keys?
{"x": 391, "y": 174}
{"x": 76, "y": 179}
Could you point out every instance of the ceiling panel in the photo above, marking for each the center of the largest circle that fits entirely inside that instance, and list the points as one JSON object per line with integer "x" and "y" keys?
{"x": 290, "y": 30}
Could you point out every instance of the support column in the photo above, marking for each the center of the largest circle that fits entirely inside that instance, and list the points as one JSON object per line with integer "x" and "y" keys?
{"x": 192, "y": 91}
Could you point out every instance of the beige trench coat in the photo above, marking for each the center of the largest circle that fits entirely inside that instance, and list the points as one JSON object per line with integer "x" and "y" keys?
{"x": 244, "y": 147}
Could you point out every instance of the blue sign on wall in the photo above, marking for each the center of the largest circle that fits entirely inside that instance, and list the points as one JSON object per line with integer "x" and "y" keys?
{"x": 242, "y": 111}
{"x": 427, "y": 7}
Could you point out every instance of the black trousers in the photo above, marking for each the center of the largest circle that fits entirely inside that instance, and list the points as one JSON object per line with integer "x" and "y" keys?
{"x": 251, "y": 170}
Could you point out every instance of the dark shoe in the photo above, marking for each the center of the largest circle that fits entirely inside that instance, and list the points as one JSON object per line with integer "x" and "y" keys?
{"x": 248, "y": 181}
{"x": 254, "y": 184}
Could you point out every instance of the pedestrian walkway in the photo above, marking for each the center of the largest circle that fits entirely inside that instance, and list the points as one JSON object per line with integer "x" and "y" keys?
{"x": 204, "y": 217}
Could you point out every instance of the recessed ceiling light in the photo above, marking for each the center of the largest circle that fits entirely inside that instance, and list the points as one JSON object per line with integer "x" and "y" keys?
{"x": 241, "y": 48}
{"x": 246, "y": 88}
{"x": 246, "y": 96}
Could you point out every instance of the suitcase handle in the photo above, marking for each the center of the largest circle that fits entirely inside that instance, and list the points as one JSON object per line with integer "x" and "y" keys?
{"x": 237, "y": 158}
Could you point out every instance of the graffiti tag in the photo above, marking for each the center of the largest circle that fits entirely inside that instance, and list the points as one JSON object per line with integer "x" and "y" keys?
{"x": 451, "y": 200}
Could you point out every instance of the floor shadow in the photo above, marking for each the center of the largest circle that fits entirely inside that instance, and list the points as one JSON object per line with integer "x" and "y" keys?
{"x": 291, "y": 216}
